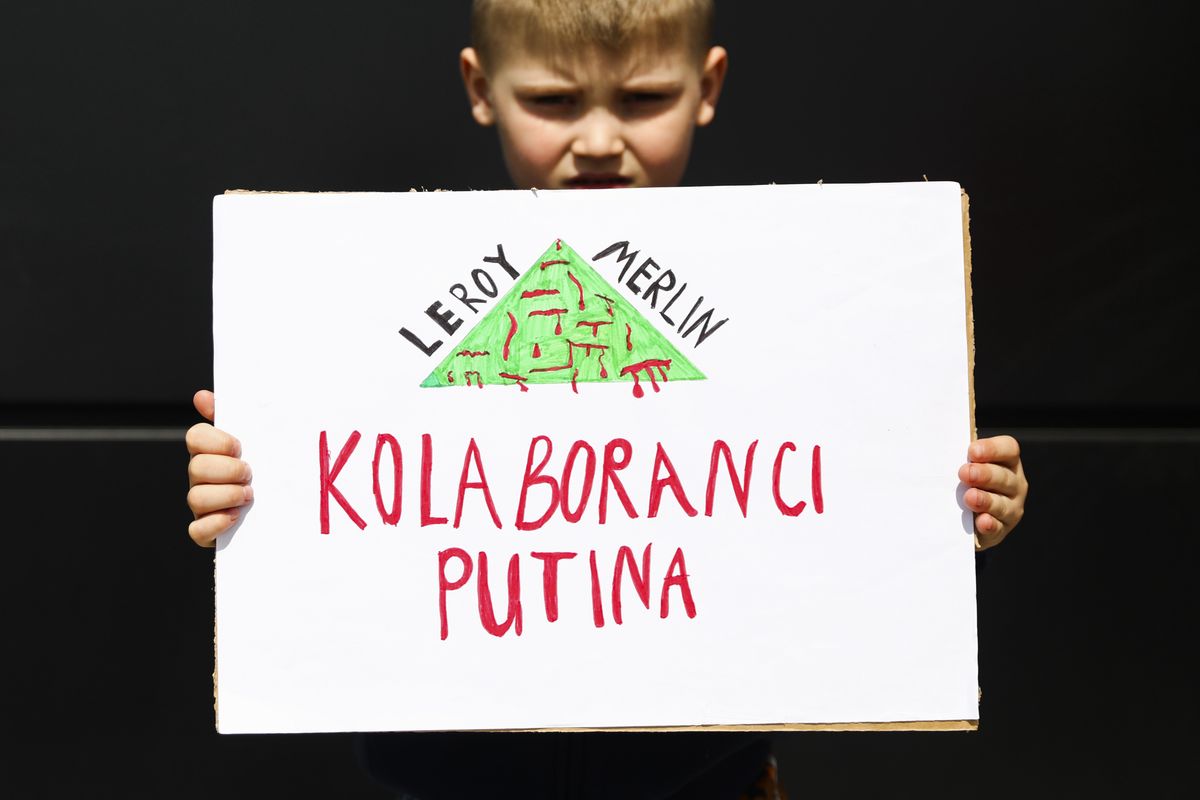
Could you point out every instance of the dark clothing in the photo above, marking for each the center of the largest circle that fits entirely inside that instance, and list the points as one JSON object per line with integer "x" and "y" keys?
{"x": 569, "y": 766}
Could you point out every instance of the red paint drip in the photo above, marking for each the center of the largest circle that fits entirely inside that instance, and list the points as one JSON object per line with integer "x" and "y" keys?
{"x": 558, "y": 244}
{"x": 603, "y": 371}
{"x": 574, "y": 375}
{"x": 578, "y": 286}
{"x": 537, "y": 293}
{"x": 520, "y": 379}
{"x": 595, "y": 326}
{"x": 557, "y": 312}
{"x": 478, "y": 378}
{"x": 628, "y": 337}
{"x": 512, "y": 331}
{"x": 586, "y": 347}
{"x": 450, "y": 376}
{"x": 554, "y": 261}
{"x": 473, "y": 353}
{"x": 587, "y": 351}
{"x": 818, "y": 494}
{"x": 609, "y": 301}
{"x": 648, "y": 366}
{"x": 537, "y": 350}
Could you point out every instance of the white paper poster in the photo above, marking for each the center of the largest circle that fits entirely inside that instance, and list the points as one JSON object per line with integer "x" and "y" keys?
{"x": 628, "y": 458}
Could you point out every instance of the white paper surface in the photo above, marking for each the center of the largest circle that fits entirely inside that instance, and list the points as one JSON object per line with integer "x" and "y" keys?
{"x": 846, "y": 330}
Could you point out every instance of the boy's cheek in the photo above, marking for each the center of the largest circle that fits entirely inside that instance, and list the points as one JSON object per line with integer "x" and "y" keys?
{"x": 531, "y": 154}
{"x": 664, "y": 155}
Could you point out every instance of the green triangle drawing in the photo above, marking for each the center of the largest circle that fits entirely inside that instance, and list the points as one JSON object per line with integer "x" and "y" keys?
{"x": 562, "y": 323}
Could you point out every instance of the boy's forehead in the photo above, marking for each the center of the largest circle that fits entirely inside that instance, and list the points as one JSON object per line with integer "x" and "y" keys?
{"x": 596, "y": 64}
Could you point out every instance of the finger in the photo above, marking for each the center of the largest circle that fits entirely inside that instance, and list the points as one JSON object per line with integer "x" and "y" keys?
{"x": 995, "y": 450}
{"x": 205, "y": 468}
{"x": 206, "y": 499}
{"x": 990, "y": 477}
{"x": 996, "y": 505}
{"x": 989, "y": 531}
{"x": 204, "y": 438}
{"x": 205, "y": 530}
{"x": 205, "y": 403}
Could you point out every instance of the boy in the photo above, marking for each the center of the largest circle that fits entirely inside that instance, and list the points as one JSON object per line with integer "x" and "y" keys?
{"x": 587, "y": 95}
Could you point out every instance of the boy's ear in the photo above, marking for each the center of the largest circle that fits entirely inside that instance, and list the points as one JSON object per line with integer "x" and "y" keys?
{"x": 712, "y": 77}
{"x": 475, "y": 81}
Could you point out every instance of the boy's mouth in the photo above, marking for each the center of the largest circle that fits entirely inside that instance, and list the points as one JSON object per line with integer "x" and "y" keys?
{"x": 598, "y": 180}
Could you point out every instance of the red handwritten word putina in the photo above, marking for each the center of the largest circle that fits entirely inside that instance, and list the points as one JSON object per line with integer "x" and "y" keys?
{"x": 639, "y": 577}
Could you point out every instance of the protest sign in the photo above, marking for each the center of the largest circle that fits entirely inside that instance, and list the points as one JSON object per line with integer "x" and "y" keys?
{"x": 623, "y": 459}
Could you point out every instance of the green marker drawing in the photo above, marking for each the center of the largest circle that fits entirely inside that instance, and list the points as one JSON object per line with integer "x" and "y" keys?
{"x": 562, "y": 323}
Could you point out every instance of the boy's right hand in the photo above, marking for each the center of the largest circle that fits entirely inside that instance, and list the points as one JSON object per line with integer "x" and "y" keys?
{"x": 219, "y": 479}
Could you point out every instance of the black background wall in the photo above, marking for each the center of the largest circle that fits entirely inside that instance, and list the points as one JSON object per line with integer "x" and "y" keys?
{"x": 1065, "y": 122}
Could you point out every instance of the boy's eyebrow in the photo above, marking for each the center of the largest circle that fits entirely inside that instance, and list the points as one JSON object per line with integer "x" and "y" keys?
{"x": 538, "y": 79}
{"x": 652, "y": 85}
{"x": 544, "y": 86}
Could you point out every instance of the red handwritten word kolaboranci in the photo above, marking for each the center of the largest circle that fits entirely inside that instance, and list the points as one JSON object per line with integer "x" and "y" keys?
{"x": 544, "y": 495}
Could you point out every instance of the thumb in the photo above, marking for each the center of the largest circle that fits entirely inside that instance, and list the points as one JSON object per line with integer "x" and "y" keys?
{"x": 206, "y": 403}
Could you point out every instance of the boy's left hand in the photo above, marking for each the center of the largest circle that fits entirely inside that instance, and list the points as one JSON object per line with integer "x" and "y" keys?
{"x": 996, "y": 488}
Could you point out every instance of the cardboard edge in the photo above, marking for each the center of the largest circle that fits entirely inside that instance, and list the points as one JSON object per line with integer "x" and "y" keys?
{"x": 969, "y": 294}
{"x": 216, "y": 683}
{"x": 966, "y": 228}
{"x": 912, "y": 725}
{"x": 970, "y": 318}
{"x": 329, "y": 191}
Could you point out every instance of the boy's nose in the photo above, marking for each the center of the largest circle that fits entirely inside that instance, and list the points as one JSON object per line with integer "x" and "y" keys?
{"x": 599, "y": 136}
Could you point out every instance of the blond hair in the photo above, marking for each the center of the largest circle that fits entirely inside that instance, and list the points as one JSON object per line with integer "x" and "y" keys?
{"x": 615, "y": 25}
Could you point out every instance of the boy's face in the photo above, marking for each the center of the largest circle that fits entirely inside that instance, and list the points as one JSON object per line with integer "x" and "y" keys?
{"x": 597, "y": 120}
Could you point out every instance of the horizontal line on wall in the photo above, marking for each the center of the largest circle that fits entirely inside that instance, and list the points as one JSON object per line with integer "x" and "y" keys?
{"x": 1099, "y": 435}
{"x": 92, "y": 435}
{"x": 1025, "y": 435}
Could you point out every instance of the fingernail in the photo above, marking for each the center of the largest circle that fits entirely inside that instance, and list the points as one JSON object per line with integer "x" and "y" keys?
{"x": 972, "y": 474}
{"x": 247, "y": 494}
{"x": 249, "y": 473}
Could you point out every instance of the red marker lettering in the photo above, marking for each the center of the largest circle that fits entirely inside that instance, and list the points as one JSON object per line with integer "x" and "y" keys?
{"x": 449, "y": 586}
{"x": 677, "y": 576}
{"x": 532, "y": 477}
{"x": 641, "y": 579}
{"x": 329, "y": 475}
{"x": 393, "y": 516}
{"x": 550, "y": 580}
{"x": 741, "y": 489}
{"x": 472, "y": 456}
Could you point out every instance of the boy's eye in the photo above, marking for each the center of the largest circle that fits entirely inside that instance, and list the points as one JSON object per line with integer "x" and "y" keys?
{"x": 641, "y": 98}
{"x": 648, "y": 102}
{"x": 551, "y": 101}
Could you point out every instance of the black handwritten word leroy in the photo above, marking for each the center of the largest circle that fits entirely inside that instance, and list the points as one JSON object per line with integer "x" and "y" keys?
{"x": 564, "y": 491}
{"x": 655, "y": 285}
{"x": 483, "y": 282}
